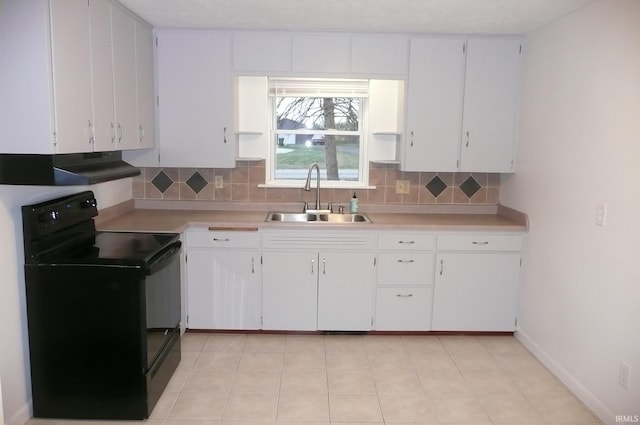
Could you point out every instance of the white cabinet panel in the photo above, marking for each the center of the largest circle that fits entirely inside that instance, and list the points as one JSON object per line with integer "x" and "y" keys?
{"x": 491, "y": 104}
{"x": 261, "y": 52}
{"x": 290, "y": 285}
{"x": 195, "y": 87}
{"x": 434, "y": 105}
{"x": 479, "y": 242}
{"x": 405, "y": 268}
{"x": 476, "y": 291}
{"x": 223, "y": 289}
{"x": 379, "y": 54}
{"x": 145, "y": 86}
{"x": 321, "y": 54}
{"x": 403, "y": 309}
{"x": 71, "y": 54}
{"x": 345, "y": 291}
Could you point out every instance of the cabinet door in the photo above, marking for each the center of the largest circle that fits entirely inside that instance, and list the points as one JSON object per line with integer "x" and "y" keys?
{"x": 71, "y": 54}
{"x": 195, "y": 111}
{"x": 434, "y": 105}
{"x": 144, "y": 86}
{"x": 124, "y": 77}
{"x": 321, "y": 54}
{"x": 490, "y": 104}
{"x": 104, "y": 124}
{"x": 404, "y": 309}
{"x": 475, "y": 291}
{"x": 345, "y": 291}
{"x": 223, "y": 289}
{"x": 290, "y": 290}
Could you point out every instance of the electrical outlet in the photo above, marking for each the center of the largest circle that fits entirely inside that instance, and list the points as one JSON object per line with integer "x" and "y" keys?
{"x": 623, "y": 375}
{"x": 403, "y": 186}
{"x": 601, "y": 214}
{"x": 218, "y": 182}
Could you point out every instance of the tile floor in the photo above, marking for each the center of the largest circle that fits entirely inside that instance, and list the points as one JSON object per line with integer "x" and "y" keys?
{"x": 266, "y": 379}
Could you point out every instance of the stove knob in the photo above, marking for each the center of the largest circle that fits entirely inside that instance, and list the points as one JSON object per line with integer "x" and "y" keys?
{"x": 53, "y": 215}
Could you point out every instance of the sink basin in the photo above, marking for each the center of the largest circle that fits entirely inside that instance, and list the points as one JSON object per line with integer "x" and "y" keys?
{"x": 288, "y": 217}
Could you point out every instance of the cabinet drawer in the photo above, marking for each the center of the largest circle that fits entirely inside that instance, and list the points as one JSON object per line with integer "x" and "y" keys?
{"x": 403, "y": 309}
{"x": 204, "y": 238}
{"x": 405, "y": 268}
{"x": 409, "y": 241}
{"x": 479, "y": 242}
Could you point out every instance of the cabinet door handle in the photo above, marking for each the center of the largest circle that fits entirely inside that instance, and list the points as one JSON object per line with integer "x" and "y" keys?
{"x": 224, "y": 134}
{"x": 480, "y": 242}
{"x": 221, "y": 240}
{"x": 412, "y": 139}
{"x": 404, "y": 295}
{"x": 407, "y": 242}
{"x": 140, "y": 133}
{"x": 467, "y": 139}
{"x": 113, "y": 133}
{"x": 253, "y": 263}
{"x": 324, "y": 266}
{"x": 121, "y": 133}
{"x": 313, "y": 262}
{"x": 441, "y": 266}
{"x": 405, "y": 261}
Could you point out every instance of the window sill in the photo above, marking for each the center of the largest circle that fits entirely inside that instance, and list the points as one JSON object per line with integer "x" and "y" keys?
{"x": 323, "y": 185}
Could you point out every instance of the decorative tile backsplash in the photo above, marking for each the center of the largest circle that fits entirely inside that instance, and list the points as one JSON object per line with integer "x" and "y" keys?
{"x": 241, "y": 184}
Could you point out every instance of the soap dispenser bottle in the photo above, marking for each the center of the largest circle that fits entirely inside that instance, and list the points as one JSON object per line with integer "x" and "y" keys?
{"x": 354, "y": 203}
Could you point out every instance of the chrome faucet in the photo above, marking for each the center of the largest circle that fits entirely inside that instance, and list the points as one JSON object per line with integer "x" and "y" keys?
{"x": 307, "y": 187}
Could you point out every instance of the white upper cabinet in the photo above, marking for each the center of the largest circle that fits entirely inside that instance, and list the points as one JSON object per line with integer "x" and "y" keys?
{"x": 379, "y": 54}
{"x": 491, "y": 104}
{"x": 434, "y": 105}
{"x": 124, "y": 77}
{"x": 321, "y": 54}
{"x": 195, "y": 89}
{"x": 261, "y": 52}
{"x": 462, "y": 104}
{"x": 71, "y": 66}
{"x": 145, "y": 87}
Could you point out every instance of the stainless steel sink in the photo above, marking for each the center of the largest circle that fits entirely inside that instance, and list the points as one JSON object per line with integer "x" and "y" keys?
{"x": 288, "y": 217}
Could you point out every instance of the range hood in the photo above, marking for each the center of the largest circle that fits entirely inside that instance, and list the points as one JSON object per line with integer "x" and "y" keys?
{"x": 64, "y": 169}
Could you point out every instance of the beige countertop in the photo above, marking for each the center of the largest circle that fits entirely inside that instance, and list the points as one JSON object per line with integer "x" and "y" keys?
{"x": 132, "y": 218}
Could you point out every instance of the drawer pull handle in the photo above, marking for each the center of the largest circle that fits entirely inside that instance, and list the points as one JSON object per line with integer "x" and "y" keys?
{"x": 324, "y": 266}
{"x": 404, "y": 295}
{"x": 405, "y": 261}
{"x": 407, "y": 242}
{"x": 441, "y": 266}
{"x": 221, "y": 240}
{"x": 313, "y": 262}
{"x": 480, "y": 243}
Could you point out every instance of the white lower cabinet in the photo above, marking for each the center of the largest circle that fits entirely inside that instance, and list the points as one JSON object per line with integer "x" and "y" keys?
{"x": 318, "y": 280}
{"x": 476, "y": 286}
{"x": 224, "y": 280}
{"x": 404, "y": 281}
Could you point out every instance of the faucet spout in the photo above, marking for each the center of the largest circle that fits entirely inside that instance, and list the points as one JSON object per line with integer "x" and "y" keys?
{"x": 307, "y": 185}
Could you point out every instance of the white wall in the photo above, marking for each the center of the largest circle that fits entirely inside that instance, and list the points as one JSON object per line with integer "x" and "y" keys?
{"x": 580, "y": 146}
{"x": 14, "y": 354}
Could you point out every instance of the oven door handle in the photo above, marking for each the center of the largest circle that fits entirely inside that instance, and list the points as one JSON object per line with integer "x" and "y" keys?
{"x": 159, "y": 260}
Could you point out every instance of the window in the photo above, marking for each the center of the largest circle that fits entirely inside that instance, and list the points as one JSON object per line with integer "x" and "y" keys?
{"x": 318, "y": 121}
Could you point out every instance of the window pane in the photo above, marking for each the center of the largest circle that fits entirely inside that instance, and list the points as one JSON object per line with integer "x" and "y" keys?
{"x": 318, "y": 113}
{"x": 296, "y": 152}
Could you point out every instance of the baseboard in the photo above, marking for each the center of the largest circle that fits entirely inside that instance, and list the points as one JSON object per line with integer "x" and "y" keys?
{"x": 21, "y": 416}
{"x": 586, "y": 397}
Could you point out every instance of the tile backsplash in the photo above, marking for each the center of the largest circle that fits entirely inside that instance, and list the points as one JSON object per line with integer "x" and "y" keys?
{"x": 241, "y": 184}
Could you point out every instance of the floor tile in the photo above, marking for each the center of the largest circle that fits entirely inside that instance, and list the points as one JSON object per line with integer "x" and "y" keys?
{"x": 261, "y": 361}
{"x": 304, "y": 343}
{"x": 218, "y": 360}
{"x": 199, "y": 405}
{"x": 351, "y": 382}
{"x": 303, "y": 407}
{"x": 311, "y": 381}
{"x": 509, "y": 408}
{"x": 347, "y": 361}
{"x": 265, "y": 343}
{"x": 304, "y": 360}
{"x": 463, "y": 409}
{"x": 444, "y": 384}
{"x": 354, "y": 408}
{"x": 225, "y": 342}
{"x": 560, "y": 408}
{"x": 397, "y": 383}
{"x": 251, "y": 407}
{"x": 214, "y": 380}
{"x": 257, "y": 381}
{"x": 493, "y": 382}
{"x": 407, "y": 408}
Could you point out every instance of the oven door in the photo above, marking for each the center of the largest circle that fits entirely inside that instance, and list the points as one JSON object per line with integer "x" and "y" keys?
{"x": 162, "y": 297}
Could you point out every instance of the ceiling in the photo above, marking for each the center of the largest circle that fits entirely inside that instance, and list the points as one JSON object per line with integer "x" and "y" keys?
{"x": 405, "y": 16}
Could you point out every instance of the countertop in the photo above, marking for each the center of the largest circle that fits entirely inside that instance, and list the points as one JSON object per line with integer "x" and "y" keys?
{"x": 132, "y": 218}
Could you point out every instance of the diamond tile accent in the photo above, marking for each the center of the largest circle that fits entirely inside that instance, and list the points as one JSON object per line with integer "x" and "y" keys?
{"x": 470, "y": 186}
{"x": 196, "y": 182}
{"x": 436, "y": 186}
{"x": 162, "y": 182}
